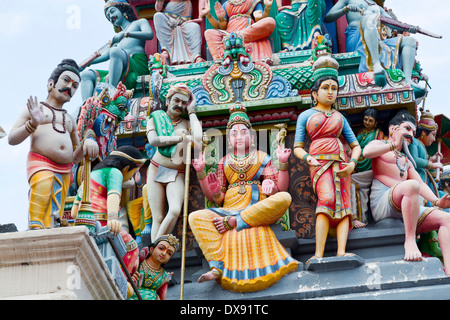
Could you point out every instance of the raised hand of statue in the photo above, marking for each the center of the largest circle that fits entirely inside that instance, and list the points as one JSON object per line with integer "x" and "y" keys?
{"x": 219, "y": 11}
{"x": 268, "y": 3}
{"x": 214, "y": 183}
{"x": 283, "y": 154}
{"x": 36, "y": 111}
{"x": 268, "y": 187}
{"x": 398, "y": 135}
{"x": 199, "y": 163}
{"x": 203, "y": 11}
{"x": 435, "y": 157}
{"x": 444, "y": 202}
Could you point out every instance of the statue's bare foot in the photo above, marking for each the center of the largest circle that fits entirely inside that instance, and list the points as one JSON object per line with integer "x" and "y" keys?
{"x": 358, "y": 224}
{"x": 220, "y": 224}
{"x": 412, "y": 252}
{"x": 208, "y": 276}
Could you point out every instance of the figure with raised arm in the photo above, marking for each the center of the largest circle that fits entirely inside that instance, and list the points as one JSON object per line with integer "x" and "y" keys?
{"x": 106, "y": 182}
{"x": 250, "y": 192}
{"x": 246, "y": 17}
{"x": 55, "y": 145}
{"x": 398, "y": 191}
{"x": 298, "y": 23}
{"x": 329, "y": 166}
{"x": 127, "y": 57}
{"x": 151, "y": 278}
{"x": 170, "y": 133}
{"x": 363, "y": 35}
{"x": 180, "y": 37}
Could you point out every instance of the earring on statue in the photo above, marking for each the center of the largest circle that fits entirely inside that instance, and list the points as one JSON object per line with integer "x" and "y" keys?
{"x": 315, "y": 102}
{"x": 125, "y": 16}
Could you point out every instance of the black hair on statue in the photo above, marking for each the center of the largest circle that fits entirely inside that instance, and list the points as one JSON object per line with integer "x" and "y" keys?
{"x": 372, "y": 112}
{"x": 65, "y": 65}
{"x": 118, "y": 162}
{"x": 402, "y": 116}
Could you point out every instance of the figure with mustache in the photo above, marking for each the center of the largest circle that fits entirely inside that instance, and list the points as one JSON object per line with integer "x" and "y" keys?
{"x": 127, "y": 57}
{"x": 170, "y": 134}
{"x": 398, "y": 191}
{"x": 55, "y": 146}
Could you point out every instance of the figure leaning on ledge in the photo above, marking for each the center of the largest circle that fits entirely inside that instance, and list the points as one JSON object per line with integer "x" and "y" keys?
{"x": 106, "y": 182}
{"x": 55, "y": 146}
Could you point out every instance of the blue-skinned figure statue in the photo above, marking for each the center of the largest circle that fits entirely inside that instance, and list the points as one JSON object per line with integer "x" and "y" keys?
{"x": 127, "y": 57}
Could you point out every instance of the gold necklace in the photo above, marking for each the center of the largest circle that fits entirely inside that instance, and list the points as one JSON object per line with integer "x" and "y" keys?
{"x": 326, "y": 113}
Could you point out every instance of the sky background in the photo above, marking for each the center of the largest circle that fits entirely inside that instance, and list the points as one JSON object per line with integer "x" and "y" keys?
{"x": 37, "y": 34}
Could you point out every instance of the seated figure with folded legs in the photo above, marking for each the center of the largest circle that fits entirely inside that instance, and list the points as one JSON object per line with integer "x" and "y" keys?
{"x": 398, "y": 191}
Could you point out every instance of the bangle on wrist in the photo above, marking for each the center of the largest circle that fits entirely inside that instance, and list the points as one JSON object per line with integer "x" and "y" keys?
{"x": 429, "y": 165}
{"x": 354, "y": 160}
{"x": 305, "y": 157}
{"x": 30, "y": 127}
{"x": 434, "y": 203}
{"x": 217, "y": 195}
{"x": 284, "y": 166}
{"x": 346, "y": 9}
{"x": 201, "y": 175}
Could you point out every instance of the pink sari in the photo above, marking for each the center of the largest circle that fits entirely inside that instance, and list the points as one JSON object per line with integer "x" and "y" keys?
{"x": 240, "y": 21}
{"x": 333, "y": 193}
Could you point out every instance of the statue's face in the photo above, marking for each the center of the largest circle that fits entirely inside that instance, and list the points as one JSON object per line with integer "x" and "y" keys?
{"x": 114, "y": 16}
{"x": 427, "y": 140}
{"x": 369, "y": 122}
{"x": 408, "y": 128}
{"x": 177, "y": 104}
{"x": 66, "y": 86}
{"x": 162, "y": 252}
{"x": 327, "y": 92}
{"x": 240, "y": 137}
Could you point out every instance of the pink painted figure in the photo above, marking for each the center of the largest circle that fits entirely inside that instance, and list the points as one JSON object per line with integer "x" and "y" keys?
{"x": 398, "y": 191}
{"x": 246, "y": 17}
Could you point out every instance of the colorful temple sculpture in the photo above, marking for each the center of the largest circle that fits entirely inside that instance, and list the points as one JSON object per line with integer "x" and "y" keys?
{"x": 255, "y": 138}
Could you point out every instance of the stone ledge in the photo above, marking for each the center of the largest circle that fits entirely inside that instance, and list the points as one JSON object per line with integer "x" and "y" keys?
{"x": 48, "y": 262}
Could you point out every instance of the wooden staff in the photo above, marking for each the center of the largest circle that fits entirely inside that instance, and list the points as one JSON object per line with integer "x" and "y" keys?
{"x": 438, "y": 171}
{"x": 185, "y": 215}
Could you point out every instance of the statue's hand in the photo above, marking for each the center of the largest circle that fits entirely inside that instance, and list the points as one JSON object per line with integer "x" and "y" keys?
{"x": 114, "y": 226}
{"x": 413, "y": 29}
{"x": 312, "y": 161}
{"x": 214, "y": 183}
{"x": 36, "y": 111}
{"x": 347, "y": 171}
{"x": 219, "y": 11}
{"x": 284, "y": 8}
{"x": 90, "y": 148}
{"x": 205, "y": 10}
{"x": 268, "y": 187}
{"x": 118, "y": 37}
{"x": 199, "y": 163}
{"x": 353, "y": 8}
{"x": 283, "y": 154}
{"x": 268, "y": 3}
{"x": 444, "y": 202}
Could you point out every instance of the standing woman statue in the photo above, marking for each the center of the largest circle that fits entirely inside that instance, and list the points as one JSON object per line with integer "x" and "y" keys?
{"x": 127, "y": 57}
{"x": 328, "y": 162}
{"x": 236, "y": 239}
